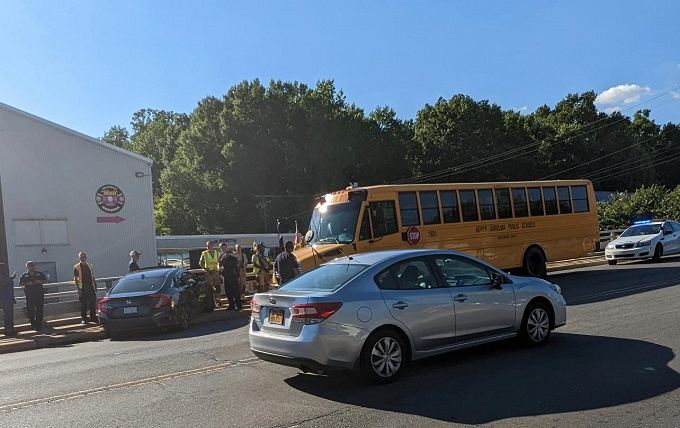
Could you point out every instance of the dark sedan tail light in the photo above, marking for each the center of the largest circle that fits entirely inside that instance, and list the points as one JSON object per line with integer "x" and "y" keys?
{"x": 101, "y": 304}
{"x": 163, "y": 300}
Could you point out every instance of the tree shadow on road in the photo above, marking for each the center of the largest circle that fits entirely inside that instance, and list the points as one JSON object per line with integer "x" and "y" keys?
{"x": 503, "y": 380}
{"x": 606, "y": 283}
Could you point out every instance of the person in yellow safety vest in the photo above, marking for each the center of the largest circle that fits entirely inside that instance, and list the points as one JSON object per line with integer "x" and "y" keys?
{"x": 209, "y": 261}
{"x": 83, "y": 276}
{"x": 260, "y": 268}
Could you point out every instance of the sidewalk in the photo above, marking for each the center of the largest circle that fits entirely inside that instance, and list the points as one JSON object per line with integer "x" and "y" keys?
{"x": 594, "y": 260}
{"x": 69, "y": 330}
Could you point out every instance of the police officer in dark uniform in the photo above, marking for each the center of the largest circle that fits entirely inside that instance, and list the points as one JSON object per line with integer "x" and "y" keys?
{"x": 33, "y": 281}
{"x": 229, "y": 265}
{"x": 286, "y": 266}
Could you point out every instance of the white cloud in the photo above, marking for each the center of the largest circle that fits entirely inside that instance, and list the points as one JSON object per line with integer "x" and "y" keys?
{"x": 610, "y": 110}
{"x": 675, "y": 95}
{"x": 622, "y": 94}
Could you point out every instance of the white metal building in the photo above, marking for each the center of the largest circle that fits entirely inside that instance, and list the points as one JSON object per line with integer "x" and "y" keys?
{"x": 62, "y": 192}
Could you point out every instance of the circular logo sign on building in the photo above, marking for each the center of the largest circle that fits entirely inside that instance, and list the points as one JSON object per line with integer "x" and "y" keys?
{"x": 110, "y": 198}
{"x": 413, "y": 235}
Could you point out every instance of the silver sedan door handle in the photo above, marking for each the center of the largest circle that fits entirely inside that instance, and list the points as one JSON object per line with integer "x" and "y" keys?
{"x": 400, "y": 305}
{"x": 460, "y": 298}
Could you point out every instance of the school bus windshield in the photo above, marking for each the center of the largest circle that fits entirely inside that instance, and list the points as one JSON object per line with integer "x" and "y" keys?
{"x": 335, "y": 223}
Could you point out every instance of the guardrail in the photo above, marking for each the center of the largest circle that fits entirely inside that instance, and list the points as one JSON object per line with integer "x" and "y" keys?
{"x": 61, "y": 298}
{"x": 607, "y": 236}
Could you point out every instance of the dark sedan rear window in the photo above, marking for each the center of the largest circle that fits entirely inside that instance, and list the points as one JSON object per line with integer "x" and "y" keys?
{"x": 140, "y": 282}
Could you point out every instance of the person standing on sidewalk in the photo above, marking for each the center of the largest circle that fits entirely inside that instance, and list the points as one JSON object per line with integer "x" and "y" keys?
{"x": 210, "y": 259}
{"x": 260, "y": 267}
{"x": 286, "y": 266}
{"x": 83, "y": 276}
{"x": 229, "y": 265}
{"x": 33, "y": 281}
{"x": 7, "y": 300}
{"x": 241, "y": 264}
{"x": 134, "y": 258}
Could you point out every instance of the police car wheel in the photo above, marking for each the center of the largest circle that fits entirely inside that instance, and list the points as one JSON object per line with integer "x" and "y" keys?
{"x": 658, "y": 252}
{"x": 611, "y": 262}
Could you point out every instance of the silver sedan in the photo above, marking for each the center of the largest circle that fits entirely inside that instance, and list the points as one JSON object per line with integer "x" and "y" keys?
{"x": 374, "y": 312}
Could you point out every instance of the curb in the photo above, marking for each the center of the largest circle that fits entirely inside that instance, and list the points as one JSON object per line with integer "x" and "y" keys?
{"x": 578, "y": 263}
{"x": 81, "y": 334}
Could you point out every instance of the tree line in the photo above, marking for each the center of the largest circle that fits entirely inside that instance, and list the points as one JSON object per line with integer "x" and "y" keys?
{"x": 264, "y": 152}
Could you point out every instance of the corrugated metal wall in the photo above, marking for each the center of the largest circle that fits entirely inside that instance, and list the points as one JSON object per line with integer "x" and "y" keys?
{"x": 49, "y": 173}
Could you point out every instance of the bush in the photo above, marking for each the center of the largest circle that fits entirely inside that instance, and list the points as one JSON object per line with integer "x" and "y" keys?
{"x": 621, "y": 209}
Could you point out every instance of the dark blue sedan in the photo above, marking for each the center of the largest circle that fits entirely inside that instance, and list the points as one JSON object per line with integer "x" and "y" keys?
{"x": 154, "y": 298}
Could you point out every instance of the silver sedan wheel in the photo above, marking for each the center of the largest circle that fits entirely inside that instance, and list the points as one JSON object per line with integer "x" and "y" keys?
{"x": 538, "y": 325}
{"x": 386, "y": 357}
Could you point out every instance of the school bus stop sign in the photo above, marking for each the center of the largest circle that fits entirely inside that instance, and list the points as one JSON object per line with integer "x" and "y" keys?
{"x": 413, "y": 235}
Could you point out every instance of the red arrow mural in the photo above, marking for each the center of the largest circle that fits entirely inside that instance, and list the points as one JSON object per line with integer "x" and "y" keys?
{"x": 115, "y": 219}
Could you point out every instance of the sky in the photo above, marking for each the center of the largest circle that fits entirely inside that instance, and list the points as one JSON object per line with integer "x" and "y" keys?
{"x": 89, "y": 65}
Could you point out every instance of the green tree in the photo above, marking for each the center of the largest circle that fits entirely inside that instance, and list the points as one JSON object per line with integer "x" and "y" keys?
{"x": 155, "y": 135}
{"x": 117, "y": 136}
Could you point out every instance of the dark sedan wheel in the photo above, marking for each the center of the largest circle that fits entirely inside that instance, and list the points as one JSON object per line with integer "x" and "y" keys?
{"x": 536, "y": 325}
{"x": 182, "y": 318}
{"x": 383, "y": 357}
{"x": 113, "y": 335}
{"x": 210, "y": 302}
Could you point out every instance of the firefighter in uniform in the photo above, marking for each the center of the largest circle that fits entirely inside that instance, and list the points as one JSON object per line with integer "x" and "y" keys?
{"x": 260, "y": 267}
{"x": 83, "y": 276}
{"x": 209, "y": 261}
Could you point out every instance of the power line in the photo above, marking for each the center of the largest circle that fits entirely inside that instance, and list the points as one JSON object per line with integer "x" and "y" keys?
{"x": 613, "y": 169}
{"x": 604, "y": 156}
{"x": 470, "y": 166}
{"x": 648, "y": 163}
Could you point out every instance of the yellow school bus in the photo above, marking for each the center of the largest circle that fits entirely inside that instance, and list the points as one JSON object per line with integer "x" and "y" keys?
{"x": 513, "y": 225}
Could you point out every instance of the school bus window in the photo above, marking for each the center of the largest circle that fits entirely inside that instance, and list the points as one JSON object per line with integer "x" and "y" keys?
{"x": 365, "y": 230}
{"x": 579, "y": 196}
{"x": 487, "y": 210}
{"x": 564, "y": 200}
{"x": 535, "y": 201}
{"x": 408, "y": 205}
{"x": 384, "y": 216}
{"x": 468, "y": 203}
{"x": 449, "y": 206}
{"x": 519, "y": 202}
{"x": 430, "y": 207}
{"x": 550, "y": 200}
{"x": 503, "y": 203}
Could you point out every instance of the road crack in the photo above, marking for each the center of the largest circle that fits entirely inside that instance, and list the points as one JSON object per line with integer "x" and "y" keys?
{"x": 302, "y": 421}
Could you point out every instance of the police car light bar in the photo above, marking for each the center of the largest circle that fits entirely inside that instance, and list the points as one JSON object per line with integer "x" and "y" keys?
{"x": 642, "y": 222}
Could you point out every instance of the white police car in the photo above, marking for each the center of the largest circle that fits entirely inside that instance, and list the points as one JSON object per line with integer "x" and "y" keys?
{"x": 645, "y": 240}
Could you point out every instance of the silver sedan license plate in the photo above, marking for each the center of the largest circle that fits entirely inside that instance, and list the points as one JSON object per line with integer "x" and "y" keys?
{"x": 276, "y": 316}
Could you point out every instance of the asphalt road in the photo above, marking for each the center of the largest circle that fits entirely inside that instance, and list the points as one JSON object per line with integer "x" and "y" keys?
{"x": 614, "y": 364}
